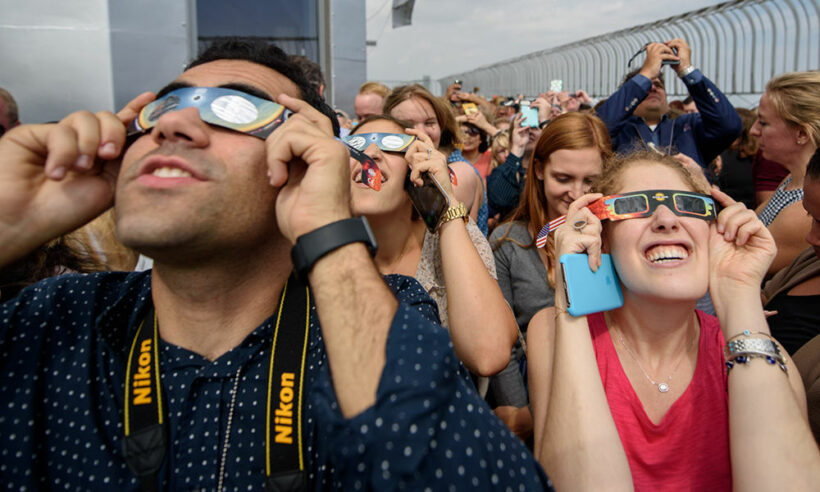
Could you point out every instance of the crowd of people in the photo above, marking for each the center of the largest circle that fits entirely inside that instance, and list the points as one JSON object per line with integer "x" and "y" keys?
{"x": 229, "y": 285}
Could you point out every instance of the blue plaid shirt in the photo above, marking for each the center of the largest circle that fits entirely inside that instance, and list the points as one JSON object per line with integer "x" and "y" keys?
{"x": 63, "y": 349}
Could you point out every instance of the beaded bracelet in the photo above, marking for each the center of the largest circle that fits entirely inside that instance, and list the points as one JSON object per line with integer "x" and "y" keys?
{"x": 747, "y": 356}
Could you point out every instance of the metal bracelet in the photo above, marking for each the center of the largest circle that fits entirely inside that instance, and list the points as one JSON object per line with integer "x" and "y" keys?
{"x": 763, "y": 345}
{"x": 748, "y": 333}
{"x": 754, "y": 353}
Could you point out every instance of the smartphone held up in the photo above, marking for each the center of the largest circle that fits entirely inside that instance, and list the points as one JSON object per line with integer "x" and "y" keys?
{"x": 430, "y": 200}
{"x": 529, "y": 115}
{"x": 587, "y": 291}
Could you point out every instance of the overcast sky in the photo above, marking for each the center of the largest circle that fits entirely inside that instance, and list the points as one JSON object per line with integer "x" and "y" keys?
{"x": 449, "y": 36}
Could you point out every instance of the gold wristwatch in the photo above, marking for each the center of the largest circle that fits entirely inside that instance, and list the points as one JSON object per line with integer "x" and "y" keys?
{"x": 457, "y": 212}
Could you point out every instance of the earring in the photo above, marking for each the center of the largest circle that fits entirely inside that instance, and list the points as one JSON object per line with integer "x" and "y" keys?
{"x": 801, "y": 142}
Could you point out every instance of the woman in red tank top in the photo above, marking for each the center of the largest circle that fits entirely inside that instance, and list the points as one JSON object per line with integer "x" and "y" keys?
{"x": 638, "y": 397}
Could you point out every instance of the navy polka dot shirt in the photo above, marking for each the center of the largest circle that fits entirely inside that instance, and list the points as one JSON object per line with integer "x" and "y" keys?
{"x": 63, "y": 350}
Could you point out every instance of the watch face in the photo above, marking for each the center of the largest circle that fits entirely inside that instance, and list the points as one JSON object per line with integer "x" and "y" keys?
{"x": 429, "y": 200}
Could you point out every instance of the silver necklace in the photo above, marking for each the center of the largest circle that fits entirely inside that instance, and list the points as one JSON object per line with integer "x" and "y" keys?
{"x": 662, "y": 386}
{"x": 228, "y": 430}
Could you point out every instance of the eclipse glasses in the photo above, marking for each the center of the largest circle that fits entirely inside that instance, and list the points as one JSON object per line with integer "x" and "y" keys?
{"x": 640, "y": 204}
{"x": 227, "y": 108}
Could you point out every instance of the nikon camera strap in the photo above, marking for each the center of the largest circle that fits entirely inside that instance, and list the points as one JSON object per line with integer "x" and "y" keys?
{"x": 285, "y": 382}
{"x": 145, "y": 441}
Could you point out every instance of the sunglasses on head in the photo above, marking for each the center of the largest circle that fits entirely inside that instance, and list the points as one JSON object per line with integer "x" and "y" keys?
{"x": 387, "y": 142}
{"x": 227, "y": 108}
{"x": 640, "y": 204}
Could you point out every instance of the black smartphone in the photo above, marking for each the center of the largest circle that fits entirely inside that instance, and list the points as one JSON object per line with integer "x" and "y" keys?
{"x": 429, "y": 199}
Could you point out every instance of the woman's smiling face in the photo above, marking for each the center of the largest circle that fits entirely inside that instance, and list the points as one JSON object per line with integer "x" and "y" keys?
{"x": 566, "y": 176}
{"x": 664, "y": 255}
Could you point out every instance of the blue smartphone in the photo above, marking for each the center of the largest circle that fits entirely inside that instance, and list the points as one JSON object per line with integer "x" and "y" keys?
{"x": 530, "y": 115}
{"x": 587, "y": 291}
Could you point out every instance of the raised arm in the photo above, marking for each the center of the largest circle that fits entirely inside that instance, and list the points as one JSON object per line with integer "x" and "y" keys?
{"x": 482, "y": 325}
{"x": 313, "y": 172}
{"x": 771, "y": 443}
{"x": 55, "y": 178}
{"x": 506, "y": 182}
{"x": 397, "y": 425}
{"x": 618, "y": 107}
{"x": 717, "y": 124}
{"x": 579, "y": 442}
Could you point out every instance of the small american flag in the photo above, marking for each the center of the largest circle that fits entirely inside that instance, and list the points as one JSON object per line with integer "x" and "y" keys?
{"x": 541, "y": 239}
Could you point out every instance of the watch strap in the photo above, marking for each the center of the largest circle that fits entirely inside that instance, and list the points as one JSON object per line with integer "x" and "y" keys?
{"x": 456, "y": 212}
{"x": 310, "y": 247}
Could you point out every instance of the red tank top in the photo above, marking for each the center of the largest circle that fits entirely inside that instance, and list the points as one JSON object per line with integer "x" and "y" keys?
{"x": 689, "y": 449}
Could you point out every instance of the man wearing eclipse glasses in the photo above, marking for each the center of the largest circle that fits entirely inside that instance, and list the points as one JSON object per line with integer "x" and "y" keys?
{"x": 264, "y": 349}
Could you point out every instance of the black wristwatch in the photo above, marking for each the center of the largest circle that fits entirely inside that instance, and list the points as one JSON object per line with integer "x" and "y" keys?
{"x": 315, "y": 244}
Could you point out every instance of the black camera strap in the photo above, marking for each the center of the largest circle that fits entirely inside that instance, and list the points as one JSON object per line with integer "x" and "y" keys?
{"x": 145, "y": 433}
{"x": 284, "y": 449}
{"x": 145, "y": 442}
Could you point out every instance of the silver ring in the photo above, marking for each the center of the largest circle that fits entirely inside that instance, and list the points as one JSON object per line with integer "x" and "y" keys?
{"x": 579, "y": 225}
{"x": 429, "y": 153}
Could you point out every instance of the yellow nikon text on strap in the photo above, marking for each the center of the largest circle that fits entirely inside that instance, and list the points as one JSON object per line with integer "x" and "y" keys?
{"x": 283, "y": 416}
{"x": 142, "y": 378}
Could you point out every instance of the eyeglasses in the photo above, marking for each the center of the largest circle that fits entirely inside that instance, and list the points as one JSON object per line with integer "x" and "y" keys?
{"x": 387, "y": 142}
{"x": 640, "y": 204}
{"x": 227, "y": 108}
{"x": 473, "y": 132}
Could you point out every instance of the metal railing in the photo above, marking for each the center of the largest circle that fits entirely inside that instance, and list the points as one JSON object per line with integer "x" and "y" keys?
{"x": 739, "y": 45}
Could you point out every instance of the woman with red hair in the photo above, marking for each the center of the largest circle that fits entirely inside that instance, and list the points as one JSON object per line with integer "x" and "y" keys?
{"x": 569, "y": 153}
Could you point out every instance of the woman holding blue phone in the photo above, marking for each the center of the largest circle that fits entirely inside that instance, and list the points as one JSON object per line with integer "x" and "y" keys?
{"x": 435, "y": 241}
{"x": 656, "y": 395}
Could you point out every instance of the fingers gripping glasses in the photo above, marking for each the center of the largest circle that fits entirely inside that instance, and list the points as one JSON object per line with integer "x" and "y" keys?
{"x": 236, "y": 111}
{"x": 640, "y": 204}
{"x": 227, "y": 108}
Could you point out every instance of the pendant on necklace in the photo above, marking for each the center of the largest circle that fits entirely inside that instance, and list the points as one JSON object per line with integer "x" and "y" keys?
{"x": 663, "y": 387}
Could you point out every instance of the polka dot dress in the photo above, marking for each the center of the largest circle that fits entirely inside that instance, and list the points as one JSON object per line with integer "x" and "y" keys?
{"x": 63, "y": 347}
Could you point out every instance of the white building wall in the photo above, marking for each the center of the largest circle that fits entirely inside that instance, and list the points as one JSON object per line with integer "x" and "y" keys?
{"x": 57, "y": 57}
